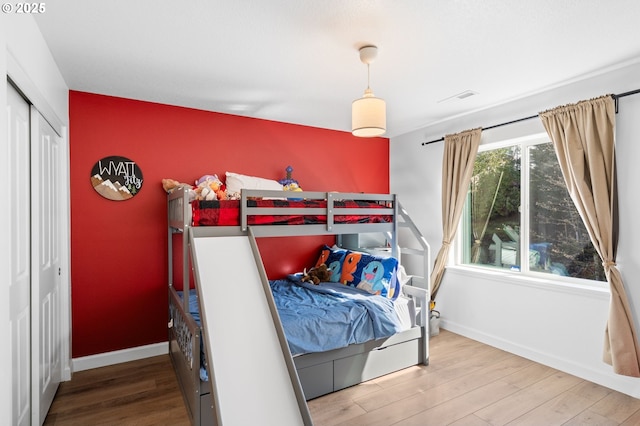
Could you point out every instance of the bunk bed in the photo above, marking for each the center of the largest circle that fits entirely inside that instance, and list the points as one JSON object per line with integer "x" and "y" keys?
{"x": 269, "y": 213}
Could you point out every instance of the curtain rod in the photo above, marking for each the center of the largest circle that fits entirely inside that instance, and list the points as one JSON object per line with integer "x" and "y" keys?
{"x": 615, "y": 98}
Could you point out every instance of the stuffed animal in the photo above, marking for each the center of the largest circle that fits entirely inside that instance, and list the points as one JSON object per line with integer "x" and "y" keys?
{"x": 288, "y": 183}
{"x": 293, "y": 186}
{"x": 170, "y": 184}
{"x": 209, "y": 187}
{"x": 317, "y": 274}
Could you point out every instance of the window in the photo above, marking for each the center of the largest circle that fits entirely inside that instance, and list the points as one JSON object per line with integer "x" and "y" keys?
{"x": 518, "y": 215}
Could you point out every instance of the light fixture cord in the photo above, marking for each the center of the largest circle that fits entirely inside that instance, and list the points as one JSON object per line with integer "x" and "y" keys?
{"x": 368, "y": 76}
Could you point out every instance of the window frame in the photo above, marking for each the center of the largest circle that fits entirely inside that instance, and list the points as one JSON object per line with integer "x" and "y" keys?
{"x": 525, "y": 274}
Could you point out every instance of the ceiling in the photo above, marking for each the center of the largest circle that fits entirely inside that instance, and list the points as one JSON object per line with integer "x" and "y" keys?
{"x": 297, "y": 61}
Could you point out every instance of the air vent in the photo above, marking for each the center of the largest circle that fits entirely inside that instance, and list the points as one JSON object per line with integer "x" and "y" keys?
{"x": 459, "y": 96}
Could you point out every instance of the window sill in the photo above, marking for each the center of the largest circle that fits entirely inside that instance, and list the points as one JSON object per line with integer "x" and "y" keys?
{"x": 565, "y": 285}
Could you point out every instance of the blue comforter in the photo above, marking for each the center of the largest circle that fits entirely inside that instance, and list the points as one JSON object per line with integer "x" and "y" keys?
{"x": 319, "y": 318}
{"x": 323, "y": 317}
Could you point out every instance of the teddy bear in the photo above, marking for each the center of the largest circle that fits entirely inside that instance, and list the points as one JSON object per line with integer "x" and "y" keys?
{"x": 209, "y": 187}
{"x": 317, "y": 274}
{"x": 170, "y": 184}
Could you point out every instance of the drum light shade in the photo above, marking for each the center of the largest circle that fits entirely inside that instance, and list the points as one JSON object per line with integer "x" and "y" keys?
{"x": 368, "y": 114}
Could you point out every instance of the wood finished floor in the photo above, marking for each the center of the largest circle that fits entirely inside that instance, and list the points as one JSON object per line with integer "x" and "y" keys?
{"x": 466, "y": 383}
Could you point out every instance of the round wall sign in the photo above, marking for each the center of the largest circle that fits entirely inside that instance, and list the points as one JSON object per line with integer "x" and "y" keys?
{"x": 116, "y": 178}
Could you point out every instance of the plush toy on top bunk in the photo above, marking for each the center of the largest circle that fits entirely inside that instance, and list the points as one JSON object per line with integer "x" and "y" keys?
{"x": 209, "y": 187}
{"x": 316, "y": 275}
{"x": 288, "y": 183}
{"x": 169, "y": 185}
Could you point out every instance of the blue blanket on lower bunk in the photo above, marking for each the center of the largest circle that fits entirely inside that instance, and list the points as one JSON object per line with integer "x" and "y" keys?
{"x": 318, "y": 318}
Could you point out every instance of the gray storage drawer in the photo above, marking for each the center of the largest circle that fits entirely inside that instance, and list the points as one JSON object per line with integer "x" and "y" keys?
{"x": 366, "y": 366}
{"x": 316, "y": 380}
{"x": 206, "y": 410}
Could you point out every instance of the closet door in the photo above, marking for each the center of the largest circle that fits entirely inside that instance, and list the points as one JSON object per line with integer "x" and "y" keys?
{"x": 45, "y": 259}
{"x": 19, "y": 287}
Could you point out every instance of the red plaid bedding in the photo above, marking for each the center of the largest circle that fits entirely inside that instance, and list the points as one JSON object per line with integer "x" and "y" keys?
{"x": 227, "y": 212}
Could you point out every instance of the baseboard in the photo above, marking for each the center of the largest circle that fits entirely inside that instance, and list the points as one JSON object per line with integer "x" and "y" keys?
{"x": 117, "y": 357}
{"x": 627, "y": 385}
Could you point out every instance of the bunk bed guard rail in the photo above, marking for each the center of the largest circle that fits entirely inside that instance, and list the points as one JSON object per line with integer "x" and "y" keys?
{"x": 387, "y": 202}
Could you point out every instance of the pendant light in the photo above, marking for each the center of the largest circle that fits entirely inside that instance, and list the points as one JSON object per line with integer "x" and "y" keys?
{"x": 368, "y": 114}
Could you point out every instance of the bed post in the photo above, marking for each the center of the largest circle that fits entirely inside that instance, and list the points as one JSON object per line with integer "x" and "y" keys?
{"x": 169, "y": 246}
{"x": 394, "y": 233}
{"x": 186, "y": 267}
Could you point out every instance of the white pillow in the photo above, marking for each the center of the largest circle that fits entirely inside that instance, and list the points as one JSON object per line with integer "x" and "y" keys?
{"x": 236, "y": 182}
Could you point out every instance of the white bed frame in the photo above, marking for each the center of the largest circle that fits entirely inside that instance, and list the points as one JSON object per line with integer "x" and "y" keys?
{"x": 319, "y": 373}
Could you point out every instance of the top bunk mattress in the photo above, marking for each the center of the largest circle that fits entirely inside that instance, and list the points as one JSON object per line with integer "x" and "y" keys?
{"x": 227, "y": 212}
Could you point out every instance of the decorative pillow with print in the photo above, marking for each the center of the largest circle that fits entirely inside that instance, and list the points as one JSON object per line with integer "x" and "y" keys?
{"x": 374, "y": 274}
{"x": 333, "y": 257}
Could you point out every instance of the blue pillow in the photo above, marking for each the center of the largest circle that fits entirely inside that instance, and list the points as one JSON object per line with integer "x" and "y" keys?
{"x": 333, "y": 258}
{"x": 374, "y": 274}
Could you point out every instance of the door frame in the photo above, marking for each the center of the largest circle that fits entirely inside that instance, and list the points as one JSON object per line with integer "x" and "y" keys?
{"x": 21, "y": 80}
{"x": 20, "y": 279}
{"x": 17, "y": 76}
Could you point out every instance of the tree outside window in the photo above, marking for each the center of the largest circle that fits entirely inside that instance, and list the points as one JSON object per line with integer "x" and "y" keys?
{"x": 546, "y": 236}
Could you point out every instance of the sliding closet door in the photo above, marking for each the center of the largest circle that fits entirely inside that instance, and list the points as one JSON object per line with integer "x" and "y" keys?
{"x": 46, "y": 338}
{"x": 19, "y": 287}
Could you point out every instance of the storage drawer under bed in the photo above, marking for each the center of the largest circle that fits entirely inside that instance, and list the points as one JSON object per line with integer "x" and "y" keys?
{"x": 335, "y": 374}
{"x": 359, "y": 368}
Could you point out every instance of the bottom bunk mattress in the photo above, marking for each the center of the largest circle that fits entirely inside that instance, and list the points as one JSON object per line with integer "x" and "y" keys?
{"x": 319, "y": 318}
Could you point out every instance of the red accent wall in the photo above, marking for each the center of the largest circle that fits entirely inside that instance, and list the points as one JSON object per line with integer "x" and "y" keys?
{"x": 119, "y": 248}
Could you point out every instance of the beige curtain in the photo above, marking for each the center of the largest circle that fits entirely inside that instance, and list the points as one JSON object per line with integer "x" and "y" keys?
{"x": 583, "y": 138}
{"x": 484, "y": 190}
{"x": 460, "y": 152}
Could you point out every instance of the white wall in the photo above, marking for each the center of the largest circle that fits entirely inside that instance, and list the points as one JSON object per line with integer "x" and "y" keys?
{"x": 24, "y": 56}
{"x": 556, "y": 325}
